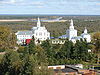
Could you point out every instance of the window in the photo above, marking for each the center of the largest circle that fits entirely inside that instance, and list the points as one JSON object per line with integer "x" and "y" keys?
{"x": 50, "y": 67}
{"x": 47, "y": 34}
{"x": 40, "y": 38}
{"x": 58, "y": 67}
{"x": 36, "y": 34}
{"x": 40, "y": 34}
{"x": 44, "y": 34}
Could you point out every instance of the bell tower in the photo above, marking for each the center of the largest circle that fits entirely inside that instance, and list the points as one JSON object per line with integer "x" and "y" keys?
{"x": 71, "y": 32}
{"x": 38, "y": 22}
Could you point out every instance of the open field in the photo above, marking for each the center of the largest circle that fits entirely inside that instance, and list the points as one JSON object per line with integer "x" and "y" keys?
{"x": 56, "y": 28}
{"x": 12, "y": 20}
{"x": 24, "y": 20}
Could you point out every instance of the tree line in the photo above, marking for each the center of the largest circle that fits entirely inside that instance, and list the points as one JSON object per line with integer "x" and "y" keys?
{"x": 56, "y": 28}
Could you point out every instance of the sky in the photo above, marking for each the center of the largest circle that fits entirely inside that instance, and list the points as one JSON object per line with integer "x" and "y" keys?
{"x": 65, "y": 7}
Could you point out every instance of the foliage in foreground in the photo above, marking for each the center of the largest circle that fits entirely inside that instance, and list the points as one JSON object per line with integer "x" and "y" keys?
{"x": 31, "y": 61}
{"x": 34, "y": 59}
{"x": 7, "y": 39}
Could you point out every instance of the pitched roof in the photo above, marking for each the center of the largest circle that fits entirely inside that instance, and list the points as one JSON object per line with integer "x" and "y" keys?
{"x": 24, "y": 33}
{"x": 63, "y": 36}
{"x": 66, "y": 70}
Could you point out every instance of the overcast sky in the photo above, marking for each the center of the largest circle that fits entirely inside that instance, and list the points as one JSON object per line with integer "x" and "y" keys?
{"x": 68, "y": 7}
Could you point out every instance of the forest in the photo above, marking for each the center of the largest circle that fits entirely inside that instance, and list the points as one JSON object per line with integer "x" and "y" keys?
{"x": 34, "y": 59}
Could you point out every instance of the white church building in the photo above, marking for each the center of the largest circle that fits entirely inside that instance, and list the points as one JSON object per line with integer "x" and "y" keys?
{"x": 39, "y": 32}
{"x": 71, "y": 34}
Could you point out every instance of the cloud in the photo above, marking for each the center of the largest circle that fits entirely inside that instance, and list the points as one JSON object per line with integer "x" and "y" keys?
{"x": 49, "y": 3}
{"x": 13, "y": 1}
{"x": 7, "y": 2}
{"x": 18, "y": 3}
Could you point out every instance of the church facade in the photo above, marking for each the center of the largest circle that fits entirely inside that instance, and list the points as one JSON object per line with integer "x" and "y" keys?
{"x": 71, "y": 34}
{"x": 39, "y": 32}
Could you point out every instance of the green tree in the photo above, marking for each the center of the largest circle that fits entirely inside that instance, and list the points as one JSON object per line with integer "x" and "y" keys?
{"x": 76, "y": 53}
{"x": 30, "y": 65}
{"x": 96, "y": 42}
{"x": 42, "y": 61}
{"x": 46, "y": 45}
{"x": 67, "y": 50}
{"x": 81, "y": 50}
{"x": 10, "y": 63}
{"x": 30, "y": 48}
{"x": 7, "y": 38}
{"x": 50, "y": 52}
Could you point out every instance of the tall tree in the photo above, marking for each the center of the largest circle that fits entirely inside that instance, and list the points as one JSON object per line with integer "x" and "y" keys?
{"x": 29, "y": 66}
{"x": 10, "y": 63}
{"x": 46, "y": 45}
{"x": 67, "y": 49}
{"x": 81, "y": 50}
{"x": 30, "y": 48}
{"x": 7, "y": 38}
{"x": 96, "y": 41}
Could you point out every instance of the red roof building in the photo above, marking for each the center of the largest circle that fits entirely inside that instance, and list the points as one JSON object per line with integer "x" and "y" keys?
{"x": 28, "y": 41}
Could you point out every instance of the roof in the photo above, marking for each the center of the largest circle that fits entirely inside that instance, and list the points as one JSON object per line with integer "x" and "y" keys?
{"x": 73, "y": 67}
{"x": 63, "y": 36}
{"x": 84, "y": 34}
{"x": 52, "y": 37}
{"x": 77, "y": 38}
{"x": 34, "y": 28}
{"x": 69, "y": 68}
{"x": 28, "y": 41}
{"x": 65, "y": 70}
{"x": 24, "y": 33}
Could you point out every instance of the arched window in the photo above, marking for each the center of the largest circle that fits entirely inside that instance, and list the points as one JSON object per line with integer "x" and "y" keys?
{"x": 40, "y": 34}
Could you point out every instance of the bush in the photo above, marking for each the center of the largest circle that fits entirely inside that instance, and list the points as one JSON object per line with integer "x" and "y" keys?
{"x": 2, "y": 50}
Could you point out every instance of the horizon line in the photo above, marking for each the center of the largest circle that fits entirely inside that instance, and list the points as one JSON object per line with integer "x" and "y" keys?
{"x": 56, "y": 14}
